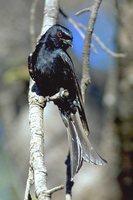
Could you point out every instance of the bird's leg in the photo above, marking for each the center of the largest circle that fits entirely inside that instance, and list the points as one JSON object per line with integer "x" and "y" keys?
{"x": 63, "y": 93}
{"x": 47, "y": 98}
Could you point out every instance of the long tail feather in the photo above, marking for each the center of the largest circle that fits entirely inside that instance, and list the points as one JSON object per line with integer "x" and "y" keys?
{"x": 88, "y": 152}
{"x": 75, "y": 149}
{"x": 79, "y": 144}
{"x": 74, "y": 146}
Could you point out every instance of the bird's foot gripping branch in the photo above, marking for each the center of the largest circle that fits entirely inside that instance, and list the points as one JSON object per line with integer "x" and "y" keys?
{"x": 63, "y": 93}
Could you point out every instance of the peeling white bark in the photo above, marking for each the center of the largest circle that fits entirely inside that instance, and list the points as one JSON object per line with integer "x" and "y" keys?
{"x": 37, "y": 169}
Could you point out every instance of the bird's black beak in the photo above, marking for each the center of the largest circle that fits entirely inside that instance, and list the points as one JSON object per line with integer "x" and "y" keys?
{"x": 68, "y": 42}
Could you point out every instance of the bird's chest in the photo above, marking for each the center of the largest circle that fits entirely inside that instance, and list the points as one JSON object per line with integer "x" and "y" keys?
{"x": 54, "y": 74}
{"x": 57, "y": 76}
{"x": 54, "y": 70}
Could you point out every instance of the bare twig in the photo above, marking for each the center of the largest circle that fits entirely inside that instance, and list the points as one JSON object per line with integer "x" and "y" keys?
{"x": 86, "y": 52}
{"x": 55, "y": 189}
{"x": 101, "y": 44}
{"x": 78, "y": 26}
{"x": 30, "y": 182}
{"x": 106, "y": 49}
{"x": 85, "y": 74}
{"x": 83, "y": 11}
{"x": 72, "y": 21}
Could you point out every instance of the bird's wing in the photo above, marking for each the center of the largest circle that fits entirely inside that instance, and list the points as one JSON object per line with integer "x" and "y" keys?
{"x": 68, "y": 60}
{"x": 32, "y": 61}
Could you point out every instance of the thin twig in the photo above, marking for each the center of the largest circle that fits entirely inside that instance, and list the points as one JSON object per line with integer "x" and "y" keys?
{"x": 55, "y": 189}
{"x": 83, "y": 11}
{"x": 30, "y": 182}
{"x": 106, "y": 49}
{"x": 102, "y": 45}
{"x": 75, "y": 24}
{"x": 78, "y": 26}
{"x": 86, "y": 52}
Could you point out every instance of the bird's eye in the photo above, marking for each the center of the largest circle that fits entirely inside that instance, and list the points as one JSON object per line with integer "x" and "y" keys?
{"x": 59, "y": 34}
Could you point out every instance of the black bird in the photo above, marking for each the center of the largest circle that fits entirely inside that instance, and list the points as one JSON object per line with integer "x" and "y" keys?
{"x": 51, "y": 68}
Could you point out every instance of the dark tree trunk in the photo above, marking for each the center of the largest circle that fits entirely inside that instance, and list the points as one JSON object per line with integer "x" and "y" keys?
{"x": 124, "y": 118}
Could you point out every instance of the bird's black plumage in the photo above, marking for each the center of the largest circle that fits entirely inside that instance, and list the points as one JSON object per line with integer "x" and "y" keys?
{"x": 51, "y": 68}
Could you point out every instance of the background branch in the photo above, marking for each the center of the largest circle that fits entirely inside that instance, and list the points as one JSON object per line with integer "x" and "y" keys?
{"x": 86, "y": 52}
{"x": 79, "y": 26}
{"x": 83, "y": 11}
{"x": 32, "y": 23}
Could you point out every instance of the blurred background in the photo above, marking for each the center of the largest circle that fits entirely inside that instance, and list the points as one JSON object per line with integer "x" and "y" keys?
{"x": 109, "y": 104}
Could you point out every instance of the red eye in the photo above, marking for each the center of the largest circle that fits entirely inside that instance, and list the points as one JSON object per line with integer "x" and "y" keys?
{"x": 59, "y": 34}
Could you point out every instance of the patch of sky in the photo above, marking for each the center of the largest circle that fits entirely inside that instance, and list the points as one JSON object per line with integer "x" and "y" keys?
{"x": 105, "y": 28}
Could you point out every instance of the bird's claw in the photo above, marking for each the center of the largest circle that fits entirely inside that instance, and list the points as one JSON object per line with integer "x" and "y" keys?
{"x": 47, "y": 98}
{"x": 63, "y": 93}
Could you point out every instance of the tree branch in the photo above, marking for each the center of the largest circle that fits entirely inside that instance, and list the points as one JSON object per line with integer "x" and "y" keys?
{"x": 79, "y": 26}
{"x": 102, "y": 45}
{"x": 36, "y": 105}
{"x": 83, "y": 11}
{"x": 86, "y": 52}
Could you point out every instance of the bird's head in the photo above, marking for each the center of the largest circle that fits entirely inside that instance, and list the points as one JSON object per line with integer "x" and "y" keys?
{"x": 58, "y": 37}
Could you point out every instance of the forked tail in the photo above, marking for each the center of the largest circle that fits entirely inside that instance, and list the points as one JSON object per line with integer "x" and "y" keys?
{"x": 79, "y": 145}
